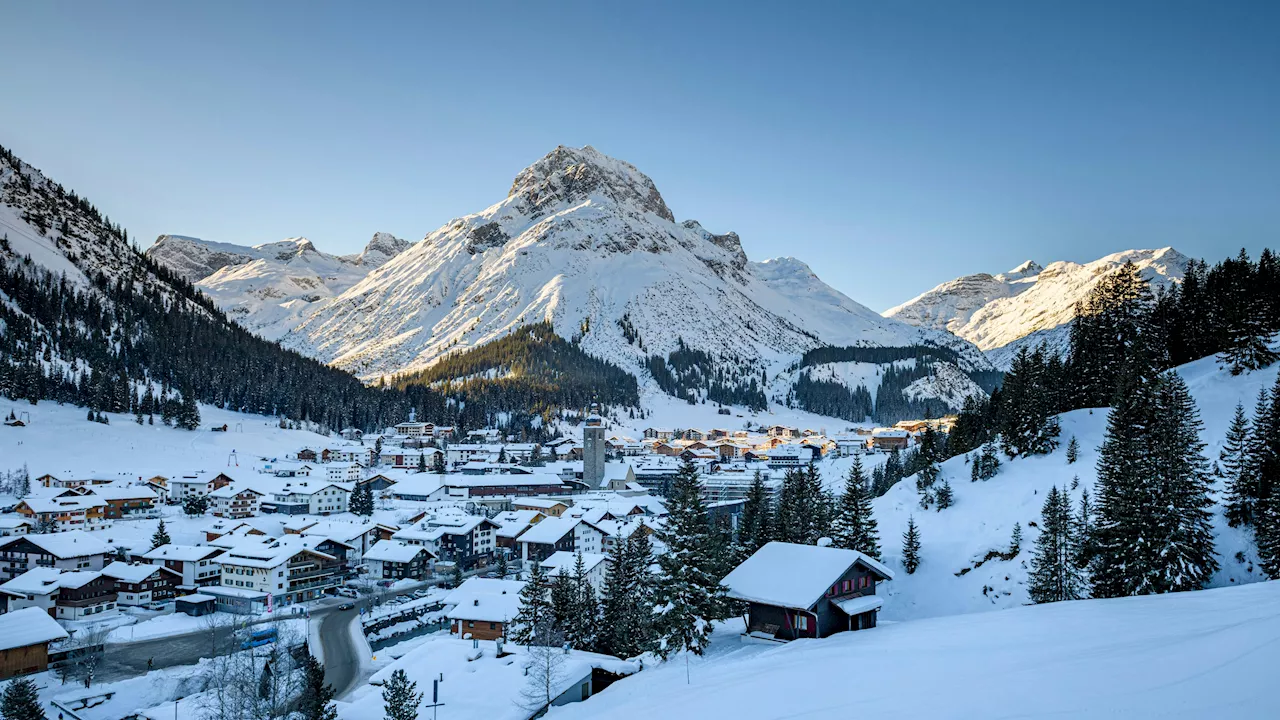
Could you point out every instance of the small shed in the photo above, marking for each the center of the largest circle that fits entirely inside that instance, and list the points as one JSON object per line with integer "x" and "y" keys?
{"x": 195, "y": 604}
{"x": 24, "y": 641}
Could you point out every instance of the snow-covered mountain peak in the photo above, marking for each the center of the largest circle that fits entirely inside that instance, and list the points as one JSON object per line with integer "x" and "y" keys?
{"x": 567, "y": 176}
{"x": 1027, "y": 269}
{"x": 1030, "y": 301}
{"x": 380, "y": 249}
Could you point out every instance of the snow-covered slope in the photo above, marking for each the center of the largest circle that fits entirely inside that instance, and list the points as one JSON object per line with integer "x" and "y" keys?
{"x": 270, "y": 288}
{"x": 587, "y": 242}
{"x": 992, "y": 311}
{"x": 1206, "y": 654}
{"x": 982, "y": 518}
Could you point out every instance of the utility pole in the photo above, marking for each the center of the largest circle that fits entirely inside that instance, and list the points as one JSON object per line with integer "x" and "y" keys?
{"x": 435, "y": 698}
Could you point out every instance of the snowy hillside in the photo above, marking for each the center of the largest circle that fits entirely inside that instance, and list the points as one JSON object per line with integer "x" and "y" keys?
{"x": 270, "y": 288}
{"x": 992, "y": 311}
{"x": 1186, "y": 655}
{"x": 982, "y": 518}
{"x": 587, "y": 242}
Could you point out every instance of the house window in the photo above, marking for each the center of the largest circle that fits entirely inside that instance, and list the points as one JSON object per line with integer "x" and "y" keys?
{"x": 802, "y": 622}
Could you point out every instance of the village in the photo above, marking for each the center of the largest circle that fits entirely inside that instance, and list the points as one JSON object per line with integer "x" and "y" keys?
{"x": 416, "y": 534}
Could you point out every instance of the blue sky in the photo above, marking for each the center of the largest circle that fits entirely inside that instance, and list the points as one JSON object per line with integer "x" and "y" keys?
{"x": 890, "y": 145}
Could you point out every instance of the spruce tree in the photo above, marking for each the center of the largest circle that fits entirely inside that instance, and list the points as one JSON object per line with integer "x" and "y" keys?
{"x": 1267, "y": 532}
{"x": 564, "y": 603}
{"x": 943, "y": 495}
{"x": 437, "y": 463}
{"x": 585, "y": 626}
{"x": 1054, "y": 576}
{"x": 1233, "y": 463}
{"x": 755, "y": 527}
{"x": 535, "y": 611}
{"x": 911, "y": 547}
{"x": 1015, "y": 541}
{"x": 161, "y": 536}
{"x": 627, "y": 602}
{"x": 21, "y": 701}
{"x": 1082, "y": 534}
{"x": 1073, "y": 451}
{"x": 854, "y": 527}
{"x": 400, "y": 698}
{"x": 690, "y": 596}
{"x": 1246, "y": 336}
{"x": 316, "y": 702}
{"x": 422, "y": 462}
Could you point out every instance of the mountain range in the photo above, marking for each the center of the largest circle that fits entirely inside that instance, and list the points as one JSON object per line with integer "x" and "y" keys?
{"x": 582, "y": 241}
{"x": 1030, "y": 304}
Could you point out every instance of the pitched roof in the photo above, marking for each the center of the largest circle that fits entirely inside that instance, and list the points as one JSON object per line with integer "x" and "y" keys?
{"x": 132, "y": 572}
{"x": 563, "y": 562}
{"x": 794, "y": 576}
{"x": 485, "y": 599}
{"x": 28, "y": 626}
{"x": 69, "y": 544}
{"x": 183, "y": 553}
{"x": 395, "y": 551}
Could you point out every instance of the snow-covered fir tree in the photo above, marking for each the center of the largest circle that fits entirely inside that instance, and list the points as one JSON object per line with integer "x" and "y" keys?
{"x": 316, "y": 700}
{"x": 804, "y": 509}
{"x": 400, "y": 697}
{"x": 755, "y": 525}
{"x": 21, "y": 701}
{"x": 689, "y": 596}
{"x": 626, "y": 624}
{"x": 911, "y": 547}
{"x": 1073, "y": 450}
{"x": 535, "y": 608}
{"x": 1235, "y": 468}
{"x": 161, "y": 536}
{"x": 854, "y": 527}
{"x": 1153, "y": 532}
{"x": 943, "y": 496}
{"x": 1054, "y": 576}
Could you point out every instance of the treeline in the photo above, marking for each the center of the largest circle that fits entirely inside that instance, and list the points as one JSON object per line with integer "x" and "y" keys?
{"x": 899, "y": 367}
{"x": 694, "y": 375}
{"x": 531, "y": 370}
{"x": 1122, "y": 330}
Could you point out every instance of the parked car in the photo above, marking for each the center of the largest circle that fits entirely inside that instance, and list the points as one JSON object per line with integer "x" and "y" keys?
{"x": 348, "y": 592}
{"x": 420, "y": 593}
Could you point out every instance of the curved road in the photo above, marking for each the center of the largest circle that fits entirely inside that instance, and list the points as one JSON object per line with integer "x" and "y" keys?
{"x": 341, "y": 656}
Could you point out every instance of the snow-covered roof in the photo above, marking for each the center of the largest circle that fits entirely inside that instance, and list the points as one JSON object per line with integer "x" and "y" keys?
{"x": 889, "y": 433}
{"x": 183, "y": 553}
{"x": 541, "y": 503}
{"x": 549, "y": 531}
{"x": 124, "y": 492}
{"x": 69, "y": 544}
{"x": 131, "y": 572}
{"x": 469, "y": 481}
{"x": 63, "y": 503}
{"x": 794, "y": 576}
{"x": 563, "y": 562}
{"x": 28, "y": 626}
{"x": 395, "y": 551}
{"x": 486, "y": 599}
{"x": 857, "y": 605}
{"x": 196, "y": 597}
{"x": 36, "y": 581}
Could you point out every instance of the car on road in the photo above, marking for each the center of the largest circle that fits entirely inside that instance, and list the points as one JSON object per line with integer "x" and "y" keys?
{"x": 346, "y": 606}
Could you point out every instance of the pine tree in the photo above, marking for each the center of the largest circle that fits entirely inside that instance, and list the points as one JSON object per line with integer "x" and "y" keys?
{"x": 755, "y": 527}
{"x": 503, "y": 567}
{"x": 422, "y": 463}
{"x": 1235, "y": 468}
{"x": 362, "y": 500}
{"x": 1015, "y": 541}
{"x": 1153, "y": 531}
{"x": 21, "y": 701}
{"x": 583, "y": 630}
{"x": 1267, "y": 532}
{"x": 944, "y": 496}
{"x": 690, "y": 596}
{"x": 1082, "y": 532}
{"x": 974, "y": 470}
{"x": 189, "y": 412}
{"x": 161, "y": 536}
{"x": 1054, "y": 576}
{"x": 535, "y": 608}
{"x": 1073, "y": 451}
{"x": 400, "y": 698}
{"x": 564, "y": 603}
{"x": 627, "y": 602}
{"x": 1246, "y": 335}
{"x": 316, "y": 702}
{"x": 437, "y": 463}
{"x": 456, "y": 579}
{"x": 854, "y": 527}
{"x": 911, "y": 547}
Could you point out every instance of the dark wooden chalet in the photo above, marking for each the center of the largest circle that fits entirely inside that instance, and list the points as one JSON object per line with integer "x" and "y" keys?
{"x": 804, "y": 591}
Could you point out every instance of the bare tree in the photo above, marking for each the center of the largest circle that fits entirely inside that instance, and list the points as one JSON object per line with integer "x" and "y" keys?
{"x": 544, "y": 671}
{"x": 87, "y": 652}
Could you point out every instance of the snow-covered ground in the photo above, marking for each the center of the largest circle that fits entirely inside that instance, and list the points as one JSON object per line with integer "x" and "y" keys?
{"x": 1209, "y": 654}
{"x": 984, "y": 513}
